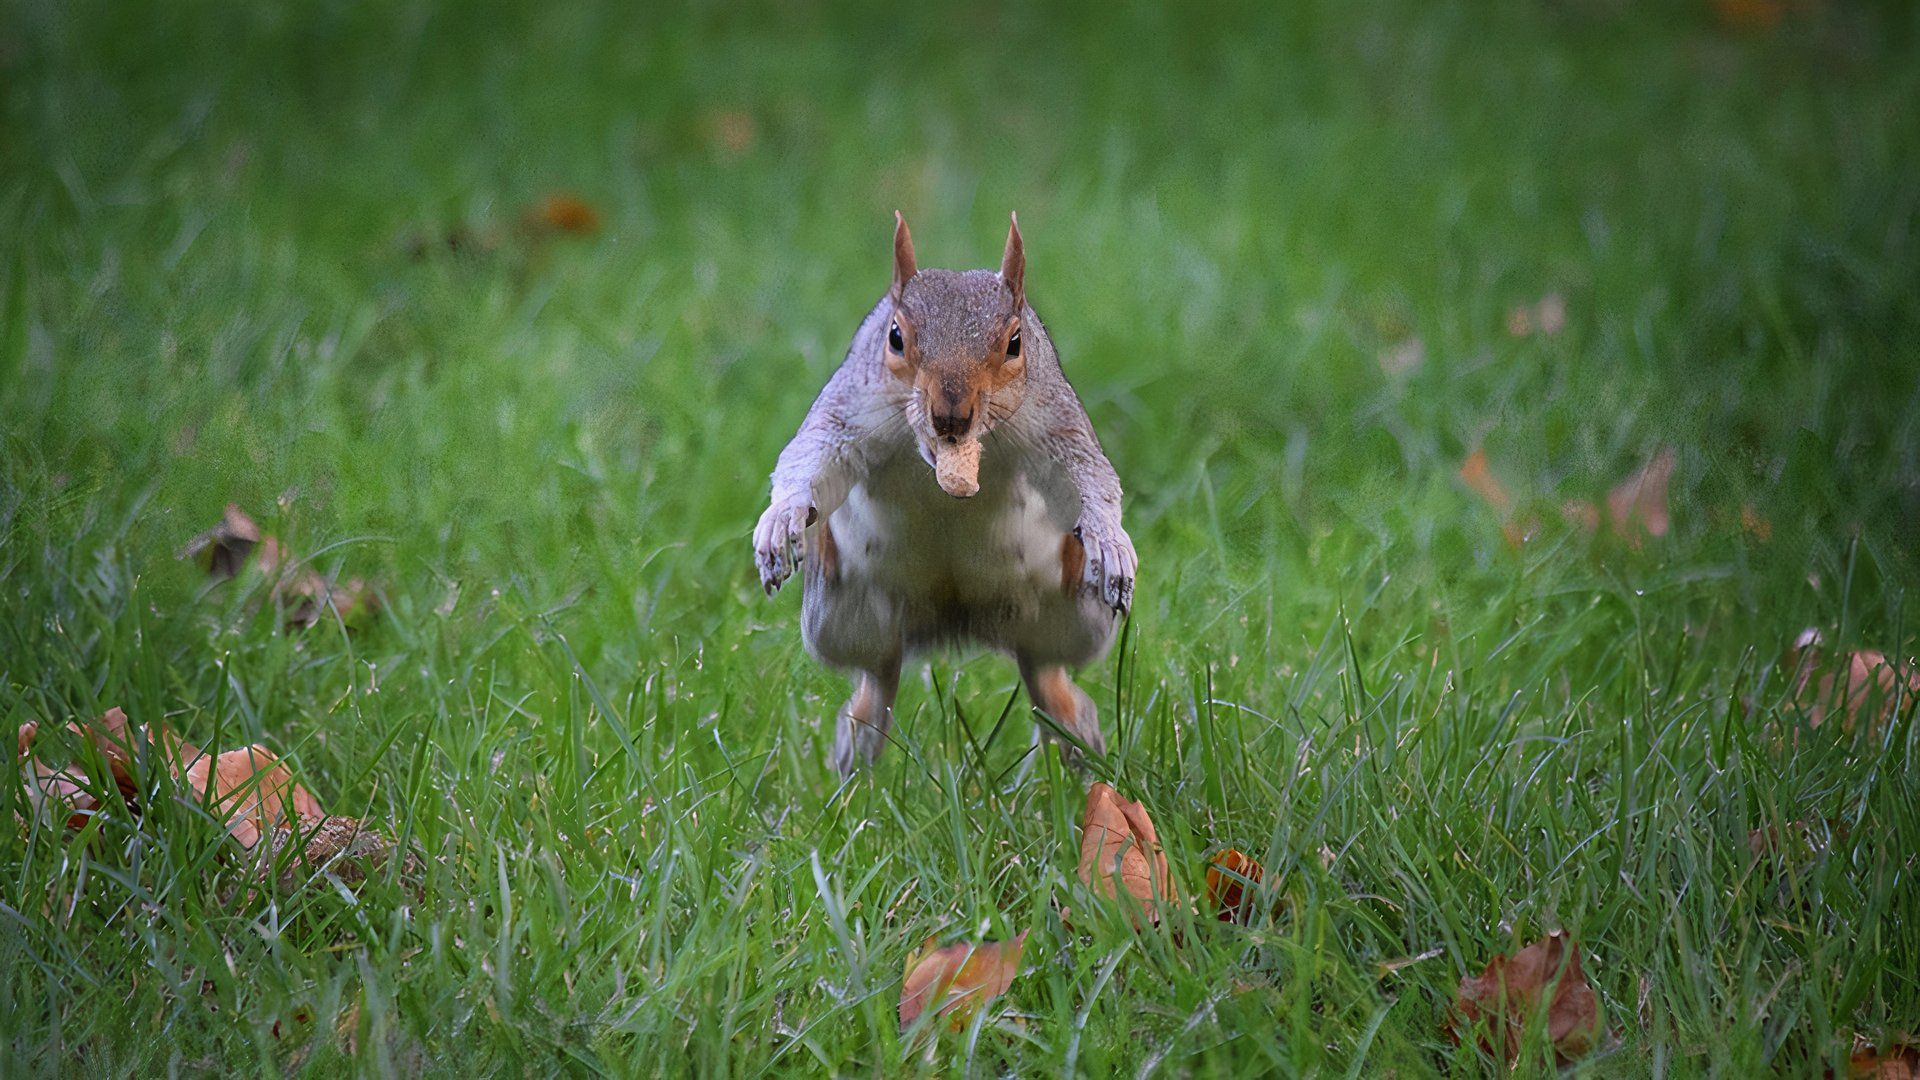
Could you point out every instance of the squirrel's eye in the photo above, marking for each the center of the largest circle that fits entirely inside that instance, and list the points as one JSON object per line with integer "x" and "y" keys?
{"x": 894, "y": 340}
{"x": 1013, "y": 345}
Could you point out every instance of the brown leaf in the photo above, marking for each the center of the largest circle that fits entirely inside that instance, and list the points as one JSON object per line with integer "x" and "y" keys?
{"x": 301, "y": 594}
{"x": 1873, "y": 685}
{"x": 249, "y": 788}
{"x": 1479, "y": 478}
{"x": 1639, "y": 503}
{"x": 346, "y": 848}
{"x": 223, "y": 549}
{"x": 562, "y": 212}
{"x": 732, "y": 131}
{"x": 1231, "y": 876}
{"x": 958, "y": 980}
{"x": 1797, "y": 837}
{"x": 1512, "y": 991}
{"x": 1119, "y": 851}
{"x": 1403, "y": 357}
{"x": 56, "y": 795}
{"x": 1749, "y": 16}
{"x": 1547, "y": 317}
{"x": 1895, "y": 1063}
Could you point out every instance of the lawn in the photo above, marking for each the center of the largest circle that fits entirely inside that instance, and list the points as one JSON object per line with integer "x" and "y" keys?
{"x": 508, "y": 309}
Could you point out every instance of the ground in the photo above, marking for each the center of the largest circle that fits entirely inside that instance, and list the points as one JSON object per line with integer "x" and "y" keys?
{"x": 316, "y": 260}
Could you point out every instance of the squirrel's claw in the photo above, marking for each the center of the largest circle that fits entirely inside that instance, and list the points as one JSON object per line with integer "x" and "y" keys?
{"x": 780, "y": 528}
{"x": 1111, "y": 565}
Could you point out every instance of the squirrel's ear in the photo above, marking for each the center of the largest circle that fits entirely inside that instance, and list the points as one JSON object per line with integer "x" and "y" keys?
{"x": 903, "y": 268}
{"x": 1013, "y": 265}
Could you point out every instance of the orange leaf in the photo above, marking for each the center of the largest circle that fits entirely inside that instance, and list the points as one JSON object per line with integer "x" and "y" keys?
{"x": 1119, "y": 851}
{"x": 249, "y": 788}
{"x": 55, "y": 794}
{"x": 1512, "y": 991}
{"x": 1874, "y": 685}
{"x": 1639, "y": 503}
{"x": 1897, "y": 1063}
{"x": 1478, "y": 477}
{"x": 1749, "y": 16}
{"x": 225, "y": 547}
{"x": 1548, "y": 317}
{"x": 565, "y": 213}
{"x": 958, "y": 980}
{"x": 1230, "y": 875}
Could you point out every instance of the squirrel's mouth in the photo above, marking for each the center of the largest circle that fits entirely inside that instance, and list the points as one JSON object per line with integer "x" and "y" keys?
{"x": 956, "y": 464}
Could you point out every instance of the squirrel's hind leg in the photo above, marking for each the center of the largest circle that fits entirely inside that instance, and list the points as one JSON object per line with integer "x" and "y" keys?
{"x": 1068, "y": 707}
{"x": 860, "y": 732}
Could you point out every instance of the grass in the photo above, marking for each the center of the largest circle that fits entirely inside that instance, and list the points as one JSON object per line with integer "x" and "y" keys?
{"x": 611, "y": 747}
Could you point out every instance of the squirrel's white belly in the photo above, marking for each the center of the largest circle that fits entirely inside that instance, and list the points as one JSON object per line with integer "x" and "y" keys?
{"x": 953, "y": 567}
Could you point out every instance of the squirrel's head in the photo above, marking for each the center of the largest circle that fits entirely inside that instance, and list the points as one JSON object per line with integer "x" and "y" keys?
{"x": 954, "y": 337}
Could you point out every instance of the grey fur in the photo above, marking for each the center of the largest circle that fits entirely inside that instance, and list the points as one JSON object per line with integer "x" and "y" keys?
{"x": 917, "y": 567}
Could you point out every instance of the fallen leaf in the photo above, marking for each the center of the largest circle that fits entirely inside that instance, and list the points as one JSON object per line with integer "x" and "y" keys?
{"x": 1403, "y": 357}
{"x": 1749, "y": 16}
{"x": 1513, "y": 991}
{"x": 1119, "y": 852}
{"x": 1873, "y": 684}
{"x": 345, "y": 848}
{"x": 1546, "y": 317}
{"x": 955, "y": 982}
{"x": 300, "y": 594}
{"x": 1896, "y": 1063}
{"x": 1797, "y": 837}
{"x": 223, "y": 549}
{"x": 56, "y": 795}
{"x": 562, "y": 212}
{"x": 1639, "y": 503}
{"x": 1754, "y": 525}
{"x": 1479, "y": 478}
{"x": 732, "y": 131}
{"x": 1231, "y": 876}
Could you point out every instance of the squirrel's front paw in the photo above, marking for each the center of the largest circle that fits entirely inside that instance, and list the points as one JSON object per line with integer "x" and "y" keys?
{"x": 1110, "y": 563}
{"x": 773, "y": 540}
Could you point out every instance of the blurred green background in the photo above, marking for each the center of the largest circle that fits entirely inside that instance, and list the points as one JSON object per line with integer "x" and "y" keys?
{"x": 509, "y": 308}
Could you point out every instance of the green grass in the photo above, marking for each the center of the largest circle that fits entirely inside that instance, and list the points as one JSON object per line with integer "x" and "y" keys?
{"x": 611, "y": 747}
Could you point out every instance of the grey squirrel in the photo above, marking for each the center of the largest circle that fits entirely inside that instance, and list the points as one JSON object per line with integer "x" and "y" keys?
{"x": 947, "y": 486}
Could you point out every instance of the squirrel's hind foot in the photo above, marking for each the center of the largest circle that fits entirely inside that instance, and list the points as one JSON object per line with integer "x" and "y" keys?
{"x": 860, "y": 730}
{"x": 1069, "y": 716}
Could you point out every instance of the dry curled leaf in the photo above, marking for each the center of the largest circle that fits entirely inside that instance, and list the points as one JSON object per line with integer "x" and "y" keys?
{"x": 301, "y": 594}
{"x": 1231, "y": 877}
{"x": 1895, "y": 1063}
{"x": 1546, "y": 317}
{"x": 1859, "y": 684}
{"x": 1404, "y": 356}
{"x": 1513, "y": 992}
{"x": 1639, "y": 503}
{"x": 223, "y": 549}
{"x": 347, "y": 849}
{"x": 1479, "y": 478}
{"x": 561, "y": 212}
{"x": 1120, "y": 853}
{"x": 1749, "y": 16}
{"x": 957, "y": 981}
{"x": 249, "y": 789}
{"x": 57, "y": 796}
{"x": 733, "y": 132}
{"x": 1477, "y": 474}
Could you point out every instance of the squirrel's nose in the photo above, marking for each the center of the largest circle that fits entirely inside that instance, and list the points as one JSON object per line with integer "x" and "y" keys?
{"x": 952, "y": 425}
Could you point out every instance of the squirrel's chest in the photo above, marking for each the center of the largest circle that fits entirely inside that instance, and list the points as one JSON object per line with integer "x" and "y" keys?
{"x": 899, "y": 531}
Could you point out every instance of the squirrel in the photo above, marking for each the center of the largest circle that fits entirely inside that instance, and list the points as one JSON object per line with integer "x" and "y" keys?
{"x": 947, "y": 487}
